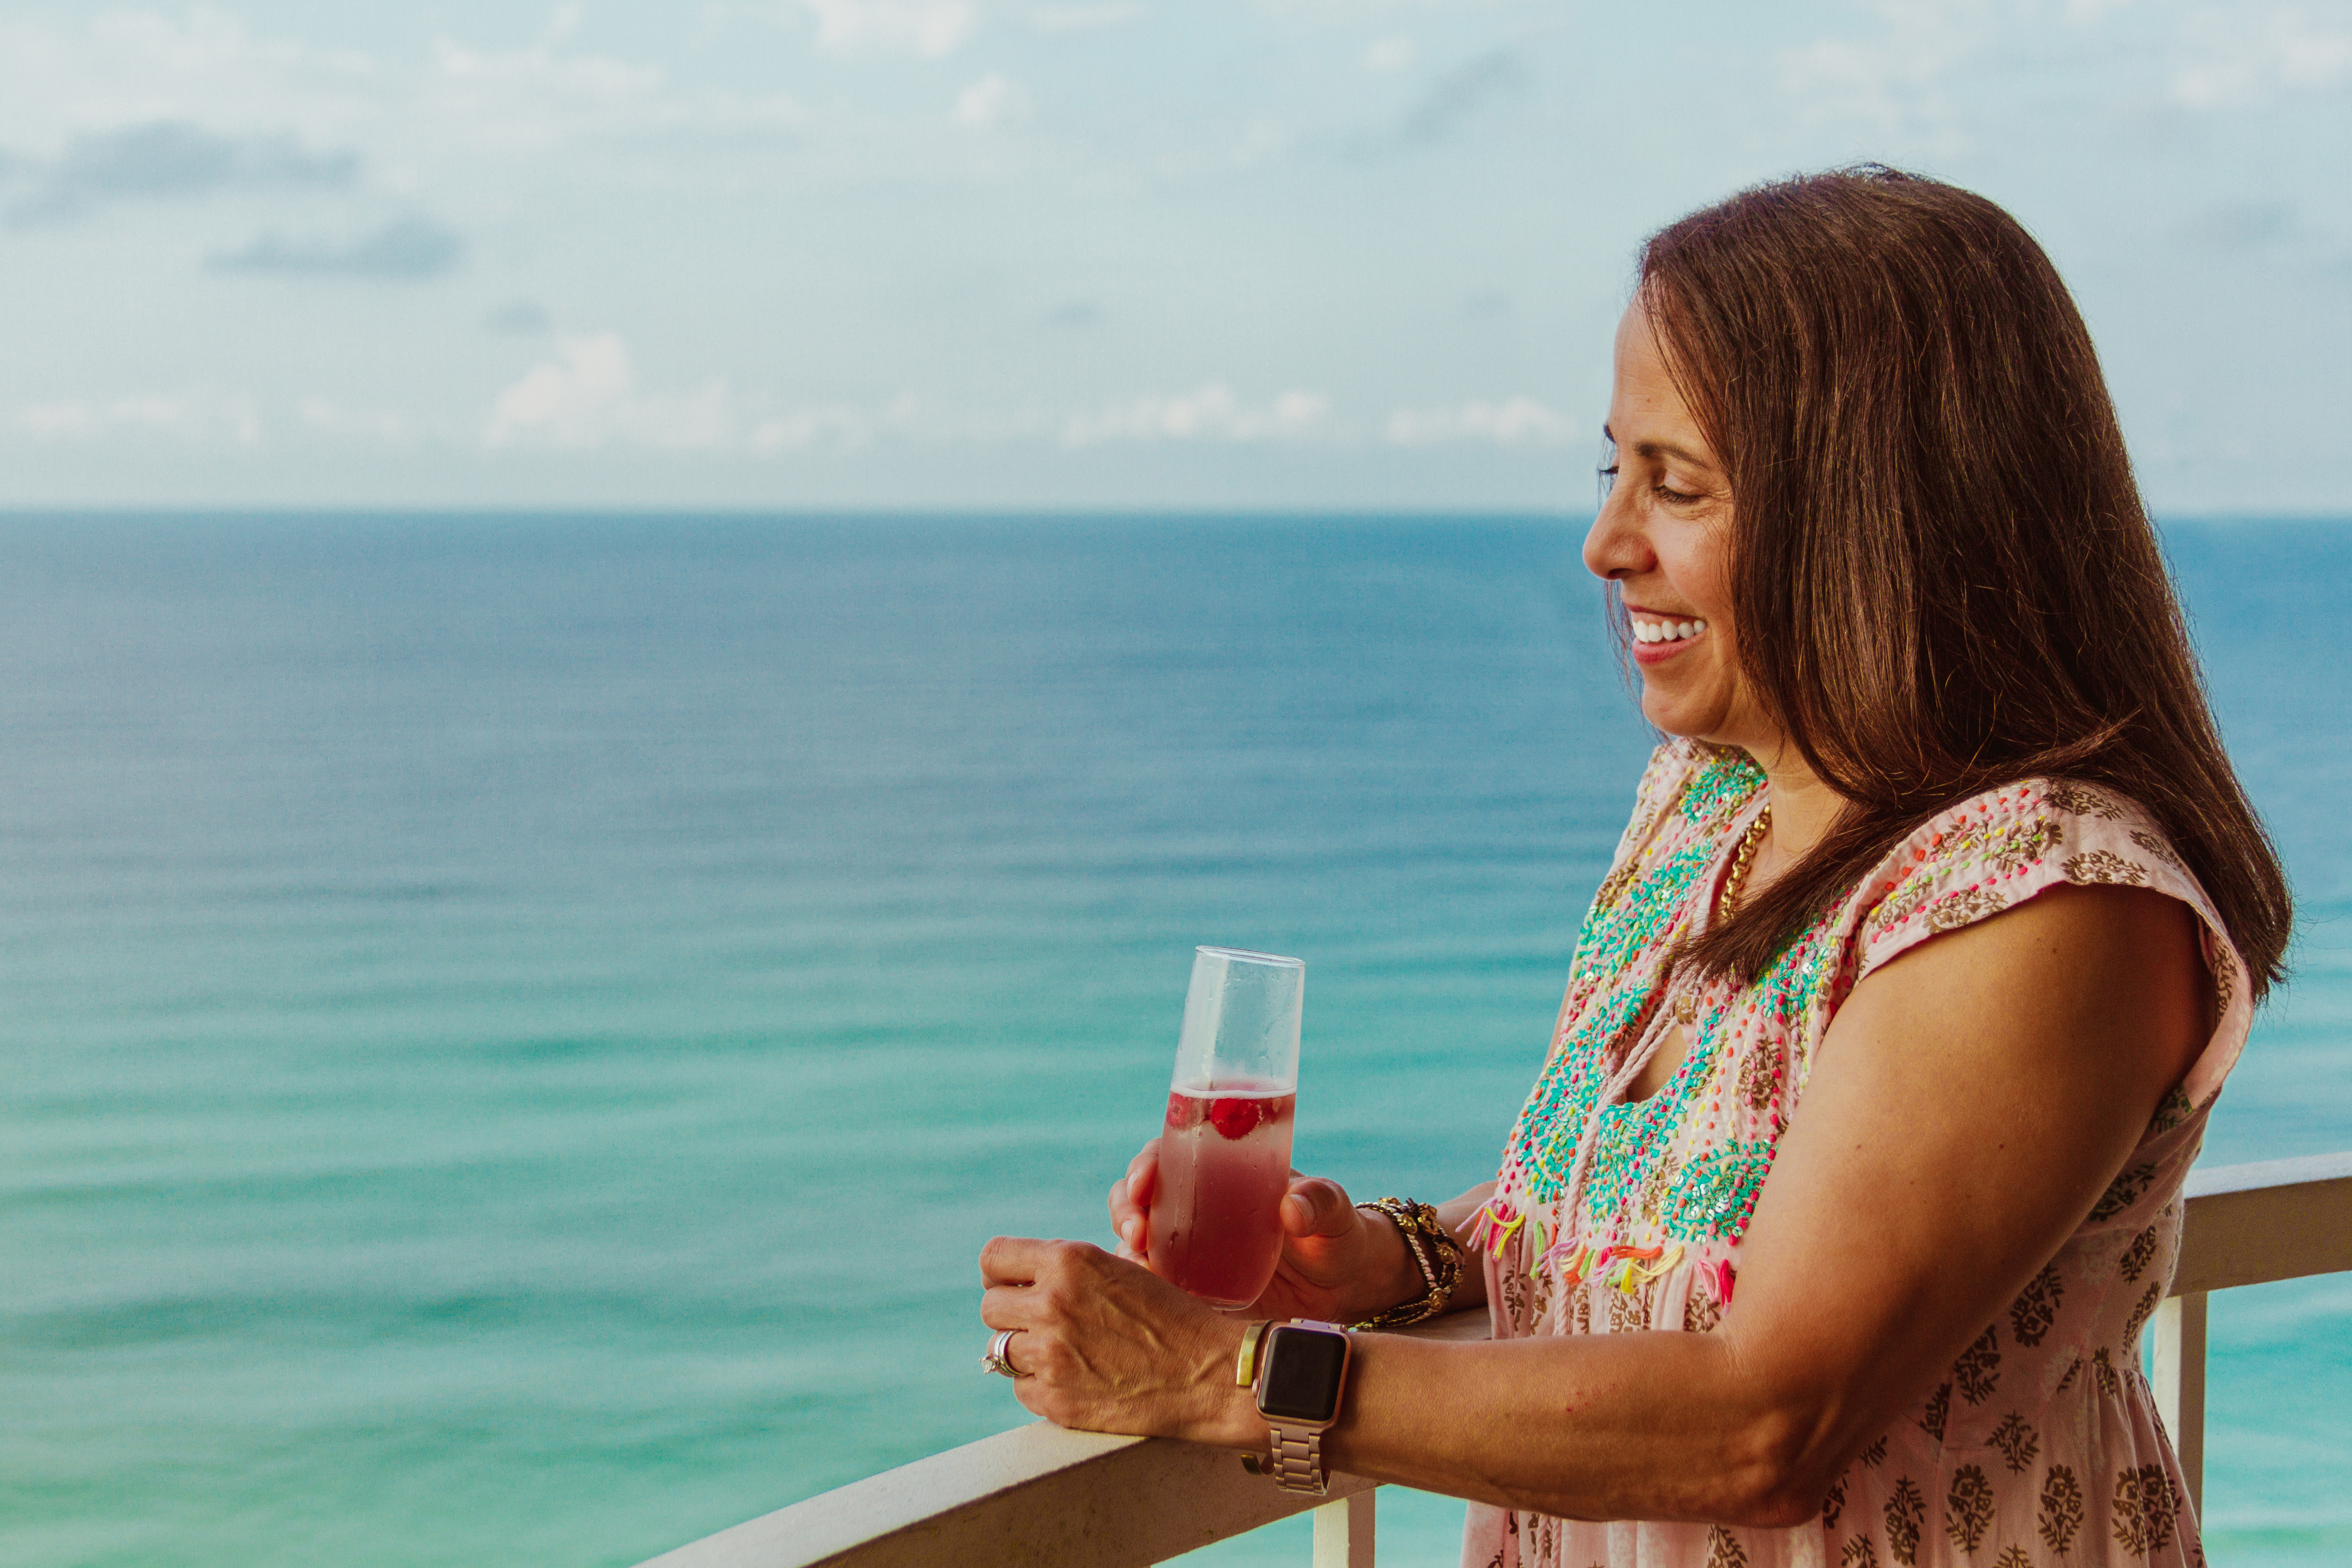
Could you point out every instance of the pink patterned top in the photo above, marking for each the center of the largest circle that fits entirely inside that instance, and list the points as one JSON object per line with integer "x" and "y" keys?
{"x": 2041, "y": 1444}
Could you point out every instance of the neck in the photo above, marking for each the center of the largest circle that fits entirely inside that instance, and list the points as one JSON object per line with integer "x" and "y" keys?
{"x": 1804, "y": 809}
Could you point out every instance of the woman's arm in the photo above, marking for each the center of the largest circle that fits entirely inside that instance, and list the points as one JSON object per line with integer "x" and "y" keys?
{"x": 1971, "y": 1102}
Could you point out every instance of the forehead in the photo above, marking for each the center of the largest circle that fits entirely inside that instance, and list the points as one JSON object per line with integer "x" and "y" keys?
{"x": 1646, "y": 409}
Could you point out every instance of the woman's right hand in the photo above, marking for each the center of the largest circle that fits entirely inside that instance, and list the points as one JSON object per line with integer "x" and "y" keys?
{"x": 1339, "y": 1263}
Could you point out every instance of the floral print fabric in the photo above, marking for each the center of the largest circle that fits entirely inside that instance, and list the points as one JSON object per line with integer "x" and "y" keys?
{"x": 2040, "y": 1445}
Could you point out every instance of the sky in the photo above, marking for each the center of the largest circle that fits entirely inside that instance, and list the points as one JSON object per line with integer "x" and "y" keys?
{"x": 1274, "y": 254}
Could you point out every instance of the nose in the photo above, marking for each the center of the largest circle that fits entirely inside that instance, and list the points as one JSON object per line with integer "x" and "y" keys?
{"x": 1617, "y": 546}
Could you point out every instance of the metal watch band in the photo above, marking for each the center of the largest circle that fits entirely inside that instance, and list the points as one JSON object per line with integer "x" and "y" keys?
{"x": 1297, "y": 1464}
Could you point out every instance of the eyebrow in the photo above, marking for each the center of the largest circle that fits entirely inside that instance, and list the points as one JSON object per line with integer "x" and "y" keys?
{"x": 1663, "y": 449}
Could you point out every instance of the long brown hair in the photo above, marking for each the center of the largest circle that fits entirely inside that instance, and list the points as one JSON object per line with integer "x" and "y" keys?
{"x": 1942, "y": 575}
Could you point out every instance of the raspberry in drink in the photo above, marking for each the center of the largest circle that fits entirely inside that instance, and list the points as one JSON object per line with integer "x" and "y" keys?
{"x": 1224, "y": 1146}
{"x": 1224, "y": 1164}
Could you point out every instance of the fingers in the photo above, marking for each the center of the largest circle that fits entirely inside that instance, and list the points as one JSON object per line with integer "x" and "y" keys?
{"x": 1135, "y": 1238}
{"x": 1102, "y": 1345}
{"x": 1126, "y": 1216}
{"x": 1143, "y": 1175}
{"x": 1011, "y": 1307}
{"x": 1317, "y": 1207}
{"x": 1130, "y": 1202}
{"x": 1013, "y": 1260}
{"x": 1020, "y": 1262}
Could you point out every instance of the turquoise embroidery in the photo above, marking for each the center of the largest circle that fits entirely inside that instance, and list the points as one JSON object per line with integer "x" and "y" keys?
{"x": 1716, "y": 1194}
{"x": 1789, "y": 986}
{"x": 1631, "y": 912}
{"x": 1642, "y": 1166}
{"x": 1718, "y": 790}
{"x": 1633, "y": 915}
{"x": 1635, "y": 1138}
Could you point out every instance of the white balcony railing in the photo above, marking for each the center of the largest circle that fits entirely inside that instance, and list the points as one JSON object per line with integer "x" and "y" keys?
{"x": 1042, "y": 1498}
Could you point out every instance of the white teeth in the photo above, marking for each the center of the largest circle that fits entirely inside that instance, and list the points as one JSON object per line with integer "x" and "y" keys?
{"x": 1666, "y": 631}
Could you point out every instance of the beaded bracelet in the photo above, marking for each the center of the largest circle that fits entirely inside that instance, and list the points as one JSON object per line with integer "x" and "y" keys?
{"x": 1424, "y": 1234}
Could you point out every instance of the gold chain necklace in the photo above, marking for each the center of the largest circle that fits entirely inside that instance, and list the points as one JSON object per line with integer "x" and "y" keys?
{"x": 1735, "y": 882}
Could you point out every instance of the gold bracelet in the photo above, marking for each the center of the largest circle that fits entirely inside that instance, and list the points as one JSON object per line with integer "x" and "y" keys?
{"x": 1245, "y": 1365}
{"x": 1425, "y": 1235}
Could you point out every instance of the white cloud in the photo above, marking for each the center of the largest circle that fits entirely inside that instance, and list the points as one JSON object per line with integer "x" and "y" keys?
{"x": 588, "y": 397}
{"x": 139, "y": 68}
{"x": 988, "y": 103}
{"x": 930, "y": 28}
{"x": 407, "y": 118}
{"x": 382, "y": 427}
{"x": 1210, "y": 414}
{"x": 1387, "y": 56}
{"x": 1897, "y": 77}
{"x": 1057, "y": 19}
{"x": 1889, "y": 81}
{"x": 561, "y": 23}
{"x": 566, "y": 402}
{"x": 536, "y": 100}
{"x": 193, "y": 418}
{"x": 1514, "y": 422}
{"x": 2248, "y": 56}
{"x": 838, "y": 424}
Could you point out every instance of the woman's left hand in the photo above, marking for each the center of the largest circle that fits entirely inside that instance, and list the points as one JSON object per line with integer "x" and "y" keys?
{"x": 1108, "y": 1346}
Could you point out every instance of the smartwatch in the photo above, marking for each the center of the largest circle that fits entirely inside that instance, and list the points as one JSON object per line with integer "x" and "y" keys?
{"x": 1302, "y": 1367}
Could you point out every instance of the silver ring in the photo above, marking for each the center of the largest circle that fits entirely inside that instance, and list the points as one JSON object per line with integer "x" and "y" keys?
{"x": 994, "y": 1360}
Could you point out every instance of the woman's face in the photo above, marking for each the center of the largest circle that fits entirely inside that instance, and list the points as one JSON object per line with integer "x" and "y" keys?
{"x": 1664, "y": 536}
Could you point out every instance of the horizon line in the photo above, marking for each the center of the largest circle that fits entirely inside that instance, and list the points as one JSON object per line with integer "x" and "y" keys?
{"x": 158, "y": 511}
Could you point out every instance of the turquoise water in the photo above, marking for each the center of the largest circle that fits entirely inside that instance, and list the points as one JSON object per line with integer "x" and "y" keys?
{"x": 514, "y": 1029}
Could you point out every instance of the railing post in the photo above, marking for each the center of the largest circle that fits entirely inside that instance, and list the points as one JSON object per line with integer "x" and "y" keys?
{"x": 2180, "y": 1386}
{"x": 1343, "y": 1532}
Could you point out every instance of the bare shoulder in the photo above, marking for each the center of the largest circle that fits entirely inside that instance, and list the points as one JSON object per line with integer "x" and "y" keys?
{"x": 2105, "y": 970}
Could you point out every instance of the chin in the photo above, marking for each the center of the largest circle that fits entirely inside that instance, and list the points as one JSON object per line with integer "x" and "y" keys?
{"x": 1682, "y": 726}
{"x": 1676, "y": 721}
{"x": 1677, "y": 715}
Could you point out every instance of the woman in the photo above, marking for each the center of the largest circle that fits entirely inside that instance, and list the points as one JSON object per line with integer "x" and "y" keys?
{"x": 1829, "y": 1231}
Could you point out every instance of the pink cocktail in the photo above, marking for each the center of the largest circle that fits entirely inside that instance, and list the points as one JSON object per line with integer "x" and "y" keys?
{"x": 1224, "y": 1164}
{"x": 1224, "y": 1146}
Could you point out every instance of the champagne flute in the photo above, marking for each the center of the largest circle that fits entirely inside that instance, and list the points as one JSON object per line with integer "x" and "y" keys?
{"x": 1224, "y": 1151}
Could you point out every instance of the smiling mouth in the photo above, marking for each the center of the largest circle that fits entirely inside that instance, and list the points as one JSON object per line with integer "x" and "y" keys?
{"x": 1653, "y": 629}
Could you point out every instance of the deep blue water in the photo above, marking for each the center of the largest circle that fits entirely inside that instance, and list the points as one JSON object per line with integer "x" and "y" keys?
{"x": 514, "y": 1030}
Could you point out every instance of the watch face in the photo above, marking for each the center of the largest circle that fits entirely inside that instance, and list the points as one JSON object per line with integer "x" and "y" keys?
{"x": 1302, "y": 1374}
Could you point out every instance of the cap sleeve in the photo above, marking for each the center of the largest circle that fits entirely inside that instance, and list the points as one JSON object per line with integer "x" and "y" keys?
{"x": 1996, "y": 850}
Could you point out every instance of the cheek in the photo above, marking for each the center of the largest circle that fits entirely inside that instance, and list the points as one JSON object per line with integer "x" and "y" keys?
{"x": 1701, "y": 568}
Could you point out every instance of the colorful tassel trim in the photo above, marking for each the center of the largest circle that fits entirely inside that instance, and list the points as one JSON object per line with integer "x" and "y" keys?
{"x": 1495, "y": 1225}
{"x": 1624, "y": 1269}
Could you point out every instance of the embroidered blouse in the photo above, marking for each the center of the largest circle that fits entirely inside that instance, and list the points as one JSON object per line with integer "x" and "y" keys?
{"x": 2040, "y": 1445}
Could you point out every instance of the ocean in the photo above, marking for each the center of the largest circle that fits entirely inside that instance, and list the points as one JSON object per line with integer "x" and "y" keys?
{"x": 514, "y": 1029}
